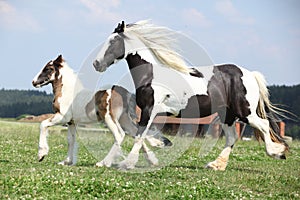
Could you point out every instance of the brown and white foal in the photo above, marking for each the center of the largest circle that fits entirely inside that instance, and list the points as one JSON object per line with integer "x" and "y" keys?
{"x": 74, "y": 104}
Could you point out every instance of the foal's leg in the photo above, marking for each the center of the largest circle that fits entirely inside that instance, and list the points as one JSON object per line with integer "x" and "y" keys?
{"x": 145, "y": 100}
{"x": 71, "y": 158}
{"x": 115, "y": 150}
{"x": 221, "y": 162}
{"x": 133, "y": 156}
{"x": 43, "y": 143}
{"x": 149, "y": 155}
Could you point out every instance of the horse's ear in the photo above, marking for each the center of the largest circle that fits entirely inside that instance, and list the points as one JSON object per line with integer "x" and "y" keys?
{"x": 120, "y": 28}
{"x": 123, "y": 26}
{"x": 58, "y": 60}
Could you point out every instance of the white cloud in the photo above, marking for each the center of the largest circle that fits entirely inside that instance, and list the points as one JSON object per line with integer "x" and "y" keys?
{"x": 101, "y": 11}
{"x": 227, "y": 9}
{"x": 195, "y": 17}
{"x": 13, "y": 19}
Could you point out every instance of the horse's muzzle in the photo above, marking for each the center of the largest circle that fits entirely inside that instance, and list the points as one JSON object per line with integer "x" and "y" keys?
{"x": 100, "y": 67}
{"x": 35, "y": 84}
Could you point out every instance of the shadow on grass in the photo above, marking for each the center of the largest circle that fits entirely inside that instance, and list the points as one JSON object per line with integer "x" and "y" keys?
{"x": 247, "y": 170}
{"x": 85, "y": 164}
{"x": 187, "y": 167}
{"x": 240, "y": 169}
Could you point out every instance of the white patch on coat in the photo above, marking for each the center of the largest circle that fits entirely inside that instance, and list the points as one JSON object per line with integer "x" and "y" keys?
{"x": 105, "y": 46}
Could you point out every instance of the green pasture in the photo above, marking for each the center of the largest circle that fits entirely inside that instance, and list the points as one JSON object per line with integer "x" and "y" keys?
{"x": 250, "y": 174}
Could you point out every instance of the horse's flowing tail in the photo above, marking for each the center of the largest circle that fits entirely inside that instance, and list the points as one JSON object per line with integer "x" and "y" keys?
{"x": 266, "y": 110}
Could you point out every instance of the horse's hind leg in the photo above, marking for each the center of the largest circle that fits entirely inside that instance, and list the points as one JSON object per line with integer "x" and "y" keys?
{"x": 71, "y": 157}
{"x": 273, "y": 149}
{"x": 222, "y": 160}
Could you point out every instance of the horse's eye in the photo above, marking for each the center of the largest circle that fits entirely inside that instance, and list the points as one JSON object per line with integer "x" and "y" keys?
{"x": 49, "y": 70}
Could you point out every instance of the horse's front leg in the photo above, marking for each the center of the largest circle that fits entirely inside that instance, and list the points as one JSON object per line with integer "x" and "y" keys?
{"x": 43, "y": 143}
{"x": 222, "y": 160}
{"x": 72, "y": 146}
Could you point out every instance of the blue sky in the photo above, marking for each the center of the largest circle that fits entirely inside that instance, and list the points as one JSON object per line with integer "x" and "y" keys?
{"x": 262, "y": 35}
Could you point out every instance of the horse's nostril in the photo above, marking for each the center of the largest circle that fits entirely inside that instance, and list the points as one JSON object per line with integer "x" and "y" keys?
{"x": 96, "y": 64}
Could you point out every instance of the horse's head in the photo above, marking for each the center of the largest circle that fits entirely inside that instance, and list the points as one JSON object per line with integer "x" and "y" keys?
{"x": 113, "y": 49}
{"x": 49, "y": 73}
{"x": 155, "y": 44}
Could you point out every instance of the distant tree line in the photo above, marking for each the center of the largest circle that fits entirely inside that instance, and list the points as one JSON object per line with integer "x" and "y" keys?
{"x": 288, "y": 98}
{"x": 14, "y": 103}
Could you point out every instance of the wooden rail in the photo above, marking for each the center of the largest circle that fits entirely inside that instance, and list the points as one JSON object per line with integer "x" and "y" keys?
{"x": 204, "y": 120}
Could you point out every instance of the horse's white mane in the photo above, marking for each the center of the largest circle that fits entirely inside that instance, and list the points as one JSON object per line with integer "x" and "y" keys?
{"x": 161, "y": 41}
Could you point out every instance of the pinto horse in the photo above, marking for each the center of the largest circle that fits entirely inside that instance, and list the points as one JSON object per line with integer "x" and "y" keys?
{"x": 164, "y": 83}
{"x": 74, "y": 104}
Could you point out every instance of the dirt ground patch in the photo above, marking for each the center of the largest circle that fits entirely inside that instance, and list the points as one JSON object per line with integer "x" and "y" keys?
{"x": 39, "y": 118}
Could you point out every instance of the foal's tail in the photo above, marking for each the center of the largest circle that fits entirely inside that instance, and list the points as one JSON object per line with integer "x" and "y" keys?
{"x": 266, "y": 110}
{"x": 132, "y": 106}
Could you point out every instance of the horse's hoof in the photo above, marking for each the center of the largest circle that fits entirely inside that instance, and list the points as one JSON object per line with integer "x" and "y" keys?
{"x": 124, "y": 166}
{"x": 167, "y": 142}
{"x": 215, "y": 166}
{"x": 209, "y": 166}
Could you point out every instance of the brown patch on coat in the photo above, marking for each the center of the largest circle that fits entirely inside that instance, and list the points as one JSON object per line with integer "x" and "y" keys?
{"x": 116, "y": 104}
{"x": 57, "y": 91}
{"x": 101, "y": 104}
{"x": 39, "y": 118}
{"x": 57, "y": 83}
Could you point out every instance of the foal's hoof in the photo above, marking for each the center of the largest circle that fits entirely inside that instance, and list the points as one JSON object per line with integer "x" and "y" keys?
{"x": 41, "y": 158}
{"x": 66, "y": 163}
{"x": 151, "y": 158}
{"x": 43, "y": 151}
{"x": 99, "y": 164}
{"x": 103, "y": 164}
{"x": 282, "y": 157}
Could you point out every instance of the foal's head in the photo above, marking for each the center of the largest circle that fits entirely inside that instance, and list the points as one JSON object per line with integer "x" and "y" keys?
{"x": 49, "y": 73}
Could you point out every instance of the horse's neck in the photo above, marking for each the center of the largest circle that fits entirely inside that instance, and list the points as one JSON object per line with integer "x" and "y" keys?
{"x": 135, "y": 46}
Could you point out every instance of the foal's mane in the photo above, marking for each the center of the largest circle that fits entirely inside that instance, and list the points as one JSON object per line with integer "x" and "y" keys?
{"x": 161, "y": 42}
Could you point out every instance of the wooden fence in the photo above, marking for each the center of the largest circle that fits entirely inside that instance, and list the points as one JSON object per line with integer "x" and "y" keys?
{"x": 240, "y": 127}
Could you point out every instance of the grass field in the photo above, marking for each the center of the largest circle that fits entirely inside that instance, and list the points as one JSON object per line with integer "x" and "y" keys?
{"x": 250, "y": 174}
